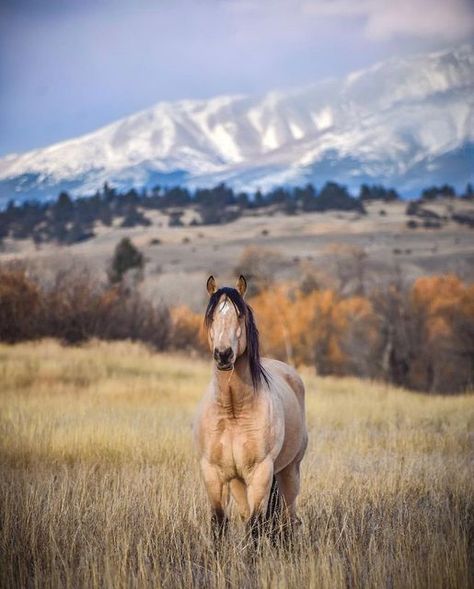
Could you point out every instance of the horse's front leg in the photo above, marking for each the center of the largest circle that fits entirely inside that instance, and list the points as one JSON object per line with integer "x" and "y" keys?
{"x": 259, "y": 485}
{"x": 217, "y": 493}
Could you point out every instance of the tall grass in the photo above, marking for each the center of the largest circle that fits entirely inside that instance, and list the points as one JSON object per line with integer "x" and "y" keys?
{"x": 99, "y": 484}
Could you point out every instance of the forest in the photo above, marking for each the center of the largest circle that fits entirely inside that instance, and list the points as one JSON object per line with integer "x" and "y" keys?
{"x": 66, "y": 220}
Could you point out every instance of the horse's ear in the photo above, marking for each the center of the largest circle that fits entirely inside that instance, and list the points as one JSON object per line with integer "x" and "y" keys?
{"x": 211, "y": 285}
{"x": 242, "y": 285}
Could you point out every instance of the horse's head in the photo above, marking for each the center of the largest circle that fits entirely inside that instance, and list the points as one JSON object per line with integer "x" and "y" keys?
{"x": 226, "y": 319}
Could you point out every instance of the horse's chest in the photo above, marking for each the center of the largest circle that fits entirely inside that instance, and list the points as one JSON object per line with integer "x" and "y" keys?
{"x": 235, "y": 450}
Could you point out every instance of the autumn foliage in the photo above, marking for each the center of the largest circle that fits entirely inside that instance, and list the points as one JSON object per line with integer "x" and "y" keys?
{"x": 419, "y": 337}
{"x": 74, "y": 307}
{"x": 314, "y": 329}
{"x": 187, "y": 330}
{"x": 444, "y": 307}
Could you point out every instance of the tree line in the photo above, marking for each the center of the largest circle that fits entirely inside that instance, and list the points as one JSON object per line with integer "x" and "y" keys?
{"x": 418, "y": 336}
{"x": 65, "y": 220}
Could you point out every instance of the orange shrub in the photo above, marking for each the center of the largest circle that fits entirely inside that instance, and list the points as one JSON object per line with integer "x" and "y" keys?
{"x": 273, "y": 315}
{"x": 318, "y": 329}
{"x": 187, "y": 331}
{"x": 437, "y": 298}
{"x": 444, "y": 308}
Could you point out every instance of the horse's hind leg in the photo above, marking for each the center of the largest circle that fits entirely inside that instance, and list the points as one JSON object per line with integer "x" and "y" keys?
{"x": 289, "y": 486}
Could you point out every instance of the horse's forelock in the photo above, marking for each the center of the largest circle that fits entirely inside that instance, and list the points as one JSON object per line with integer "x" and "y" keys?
{"x": 231, "y": 294}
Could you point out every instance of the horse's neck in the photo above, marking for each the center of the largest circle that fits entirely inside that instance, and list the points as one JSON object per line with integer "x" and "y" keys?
{"x": 234, "y": 389}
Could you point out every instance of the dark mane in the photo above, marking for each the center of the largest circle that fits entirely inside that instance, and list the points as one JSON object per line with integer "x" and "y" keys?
{"x": 257, "y": 371}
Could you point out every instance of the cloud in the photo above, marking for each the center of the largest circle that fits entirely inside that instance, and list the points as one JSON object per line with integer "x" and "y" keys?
{"x": 381, "y": 20}
{"x": 449, "y": 20}
{"x": 452, "y": 20}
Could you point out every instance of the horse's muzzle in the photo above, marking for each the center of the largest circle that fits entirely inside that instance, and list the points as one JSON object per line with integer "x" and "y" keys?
{"x": 224, "y": 358}
{"x": 225, "y": 368}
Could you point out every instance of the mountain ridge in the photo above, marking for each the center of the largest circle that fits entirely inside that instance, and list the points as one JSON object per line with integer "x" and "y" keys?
{"x": 380, "y": 125}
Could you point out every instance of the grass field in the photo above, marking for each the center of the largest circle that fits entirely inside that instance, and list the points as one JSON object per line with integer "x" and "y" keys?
{"x": 99, "y": 484}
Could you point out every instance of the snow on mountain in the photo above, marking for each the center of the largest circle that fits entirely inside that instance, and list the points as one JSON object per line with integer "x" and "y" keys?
{"x": 404, "y": 122}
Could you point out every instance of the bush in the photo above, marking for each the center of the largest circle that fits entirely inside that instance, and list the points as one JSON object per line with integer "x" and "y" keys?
{"x": 431, "y": 224}
{"x": 412, "y": 208}
{"x": 464, "y": 218}
{"x": 20, "y": 302}
{"x": 75, "y": 307}
{"x": 187, "y": 330}
{"x": 134, "y": 218}
{"x": 258, "y": 265}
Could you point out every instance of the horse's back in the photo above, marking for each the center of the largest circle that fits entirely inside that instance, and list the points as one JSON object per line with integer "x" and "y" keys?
{"x": 289, "y": 375}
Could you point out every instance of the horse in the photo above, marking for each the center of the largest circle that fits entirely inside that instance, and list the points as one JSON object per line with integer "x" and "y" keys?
{"x": 250, "y": 429}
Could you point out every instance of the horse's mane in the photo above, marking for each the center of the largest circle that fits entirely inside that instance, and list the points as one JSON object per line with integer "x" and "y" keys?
{"x": 257, "y": 371}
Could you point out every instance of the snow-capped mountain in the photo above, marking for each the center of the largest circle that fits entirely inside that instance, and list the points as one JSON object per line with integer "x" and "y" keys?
{"x": 406, "y": 123}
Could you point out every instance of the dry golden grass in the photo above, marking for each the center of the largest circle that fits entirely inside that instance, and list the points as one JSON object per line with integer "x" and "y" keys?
{"x": 99, "y": 483}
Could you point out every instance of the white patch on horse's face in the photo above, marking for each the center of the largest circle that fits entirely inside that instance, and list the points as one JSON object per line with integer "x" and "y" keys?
{"x": 227, "y": 329}
{"x": 226, "y": 307}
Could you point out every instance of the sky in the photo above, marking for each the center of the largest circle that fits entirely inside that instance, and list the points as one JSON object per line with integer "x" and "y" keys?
{"x": 68, "y": 67}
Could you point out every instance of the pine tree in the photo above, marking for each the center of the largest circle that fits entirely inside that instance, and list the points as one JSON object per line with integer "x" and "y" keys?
{"x": 469, "y": 192}
{"x": 126, "y": 257}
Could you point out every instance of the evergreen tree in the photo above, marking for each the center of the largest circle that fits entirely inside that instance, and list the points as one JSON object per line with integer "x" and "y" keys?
{"x": 365, "y": 193}
{"x": 258, "y": 200}
{"x": 469, "y": 192}
{"x": 126, "y": 257}
{"x": 307, "y": 197}
{"x": 64, "y": 208}
{"x": 335, "y": 197}
{"x": 134, "y": 217}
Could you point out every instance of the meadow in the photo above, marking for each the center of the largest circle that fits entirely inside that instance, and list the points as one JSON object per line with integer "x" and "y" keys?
{"x": 99, "y": 485}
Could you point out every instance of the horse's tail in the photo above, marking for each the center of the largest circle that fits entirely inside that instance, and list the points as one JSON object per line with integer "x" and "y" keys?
{"x": 275, "y": 505}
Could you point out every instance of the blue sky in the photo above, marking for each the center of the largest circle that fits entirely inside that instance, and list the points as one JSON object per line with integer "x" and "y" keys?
{"x": 68, "y": 67}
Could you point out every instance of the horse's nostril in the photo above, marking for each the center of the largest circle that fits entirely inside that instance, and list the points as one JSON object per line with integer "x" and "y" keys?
{"x": 223, "y": 356}
{"x": 226, "y": 354}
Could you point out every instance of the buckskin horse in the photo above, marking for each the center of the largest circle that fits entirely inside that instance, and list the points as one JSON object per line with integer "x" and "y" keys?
{"x": 250, "y": 430}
